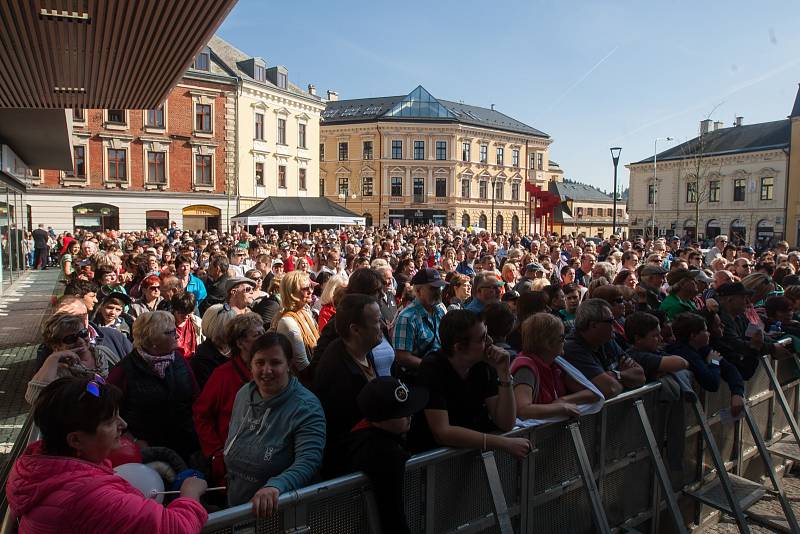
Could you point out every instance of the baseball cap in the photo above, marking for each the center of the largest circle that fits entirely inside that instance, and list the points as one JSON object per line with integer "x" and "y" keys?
{"x": 116, "y": 295}
{"x": 233, "y": 282}
{"x": 428, "y": 276}
{"x": 277, "y": 261}
{"x": 732, "y": 289}
{"x": 649, "y": 270}
{"x": 534, "y": 267}
{"x": 388, "y": 398}
{"x": 678, "y": 275}
{"x": 510, "y": 296}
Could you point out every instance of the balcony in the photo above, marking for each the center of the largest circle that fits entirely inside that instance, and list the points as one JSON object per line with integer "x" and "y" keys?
{"x": 419, "y": 199}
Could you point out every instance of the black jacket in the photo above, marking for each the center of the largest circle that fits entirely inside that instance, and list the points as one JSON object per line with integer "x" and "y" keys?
{"x": 206, "y": 358}
{"x": 382, "y": 456}
{"x": 267, "y": 307}
{"x": 158, "y": 410}
{"x": 735, "y": 347}
{"x": 337, "y": 382}
{"x": 215, "y": 290}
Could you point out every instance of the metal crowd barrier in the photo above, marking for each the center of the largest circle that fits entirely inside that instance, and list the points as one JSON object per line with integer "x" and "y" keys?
{"x": 448, "y": 490}
{"x": 464, "y": 491}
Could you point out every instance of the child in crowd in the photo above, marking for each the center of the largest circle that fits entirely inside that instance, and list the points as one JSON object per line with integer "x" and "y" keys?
{"x": 643, "y": 331}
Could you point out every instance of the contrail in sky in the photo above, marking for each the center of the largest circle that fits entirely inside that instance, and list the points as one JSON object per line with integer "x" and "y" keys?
{"x": 726, "y": 94}
{"x": 581, "y": 79}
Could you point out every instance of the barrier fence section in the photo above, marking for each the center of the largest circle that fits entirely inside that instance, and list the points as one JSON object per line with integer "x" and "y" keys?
{"x": 447, "y": 490}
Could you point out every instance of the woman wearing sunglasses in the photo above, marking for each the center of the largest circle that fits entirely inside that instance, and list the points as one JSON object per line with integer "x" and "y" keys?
{"x": 64, "y": 482}
{"x": 151, "y": 296}
{"x": 158, "y": 387}
{"x": 296, "y": 321}
{"x": 72, "y": 354}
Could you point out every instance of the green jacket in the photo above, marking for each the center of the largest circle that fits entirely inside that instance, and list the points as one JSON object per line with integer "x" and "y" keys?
{"x": 672, "y": 306}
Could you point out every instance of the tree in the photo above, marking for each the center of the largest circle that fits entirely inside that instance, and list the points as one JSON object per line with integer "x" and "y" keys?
{"x": 697, "y": 167}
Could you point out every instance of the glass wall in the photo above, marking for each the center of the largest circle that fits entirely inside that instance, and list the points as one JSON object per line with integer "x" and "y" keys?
{"x": 13, "y": 228}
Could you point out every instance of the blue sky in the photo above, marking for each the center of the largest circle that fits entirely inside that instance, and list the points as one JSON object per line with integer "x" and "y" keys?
{"x": 591, "y": 74}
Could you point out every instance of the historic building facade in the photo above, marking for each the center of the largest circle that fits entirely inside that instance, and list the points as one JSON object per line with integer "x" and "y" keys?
{"x": 587, "y": 210}
{"x": 793, "y": 196}
{"x": 277, "y": 129}
{"x": 734, "y": 180}
{"x": 137, "y": 168}
{"x": 415, "y": 159}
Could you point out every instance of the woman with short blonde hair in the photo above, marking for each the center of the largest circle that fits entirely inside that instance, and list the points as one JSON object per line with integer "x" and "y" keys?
{"x": 214, "y": 351}
{"x": 296, "y": 321}
{"x": 542, "y": 389}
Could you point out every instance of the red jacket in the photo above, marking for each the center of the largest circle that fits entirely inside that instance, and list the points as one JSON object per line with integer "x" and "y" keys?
{"x": 53, "y": 494}
{"x": 212, "y": 410}
{"x": 326, "y": 313}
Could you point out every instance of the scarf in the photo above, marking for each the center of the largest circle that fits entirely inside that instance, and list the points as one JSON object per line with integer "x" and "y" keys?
{"x": 308, "y": 329}
{"x": 159, "y": 364}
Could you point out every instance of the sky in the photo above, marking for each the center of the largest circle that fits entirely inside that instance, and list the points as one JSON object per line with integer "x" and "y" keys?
{"x": 591, "y": 74}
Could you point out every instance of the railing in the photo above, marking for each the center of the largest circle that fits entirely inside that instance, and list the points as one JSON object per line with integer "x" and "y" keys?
{"x": 448, "y": 490}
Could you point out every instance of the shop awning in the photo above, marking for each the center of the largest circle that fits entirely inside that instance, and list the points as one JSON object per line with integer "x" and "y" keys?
{"x": 298, "y": 211}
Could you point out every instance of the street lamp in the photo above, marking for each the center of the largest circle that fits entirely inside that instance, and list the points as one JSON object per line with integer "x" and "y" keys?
{"x": 343, "y": 196}
{"x": 615, "y": 158}
{"x": 655, "y": 183}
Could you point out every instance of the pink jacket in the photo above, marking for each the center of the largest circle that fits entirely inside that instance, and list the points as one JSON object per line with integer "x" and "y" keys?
{"x": 59, "y": 494}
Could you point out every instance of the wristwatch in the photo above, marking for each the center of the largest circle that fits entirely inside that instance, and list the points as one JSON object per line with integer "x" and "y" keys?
{"x": 505, "y": 383}
{"x": 618, "y": 374}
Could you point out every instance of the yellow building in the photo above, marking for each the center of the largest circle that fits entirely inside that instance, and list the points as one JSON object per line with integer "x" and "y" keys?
{"x": 414, "y": 159}
{"x": 277, "y": 129}
{"x": 793, "y": 195}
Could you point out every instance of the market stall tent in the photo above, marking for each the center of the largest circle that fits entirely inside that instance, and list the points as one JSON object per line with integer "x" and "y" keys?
{"x": 298, "y": 211}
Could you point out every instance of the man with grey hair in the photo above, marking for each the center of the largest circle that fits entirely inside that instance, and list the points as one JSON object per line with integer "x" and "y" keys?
{"x": 386, "y": 302}
{"x": 592, "y": 350}
{"x": 603, "y": 269}
{"x": 719, "y": 245}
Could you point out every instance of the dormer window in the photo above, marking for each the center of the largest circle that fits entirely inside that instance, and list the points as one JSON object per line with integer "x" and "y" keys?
{"x": 283, "y": 80}
{"x": 260, "y": 73}
{"x": 202, "y": 61}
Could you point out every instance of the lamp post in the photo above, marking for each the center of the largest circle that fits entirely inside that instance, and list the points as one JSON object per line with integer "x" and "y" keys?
{"x": 615, "y": 151}
{"x": 655, "y": 183}
{"x": 344, "y": 196}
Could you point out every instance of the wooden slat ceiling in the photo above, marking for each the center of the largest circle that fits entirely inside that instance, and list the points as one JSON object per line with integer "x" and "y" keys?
{"x": 110, "y": 54}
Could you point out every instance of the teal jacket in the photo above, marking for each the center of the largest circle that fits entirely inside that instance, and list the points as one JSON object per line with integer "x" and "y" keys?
{"x": 276, "y": 442}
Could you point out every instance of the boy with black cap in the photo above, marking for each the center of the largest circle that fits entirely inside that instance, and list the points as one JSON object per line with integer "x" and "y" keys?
{"x": 376, "y": 445}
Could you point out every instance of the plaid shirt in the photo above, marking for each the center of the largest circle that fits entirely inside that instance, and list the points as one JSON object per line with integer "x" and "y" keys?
{"x": 417, "y": 331}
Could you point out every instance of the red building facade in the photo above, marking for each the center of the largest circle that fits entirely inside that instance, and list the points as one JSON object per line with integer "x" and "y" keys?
{"x": 138, "y": 168}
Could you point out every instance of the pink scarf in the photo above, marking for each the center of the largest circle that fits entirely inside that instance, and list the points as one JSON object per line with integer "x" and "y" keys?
{"x": 158, "y": 363}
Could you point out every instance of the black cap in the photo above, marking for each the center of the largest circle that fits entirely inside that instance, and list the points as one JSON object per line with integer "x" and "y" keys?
{"x": 732, "y": 289}
{"x": 115, "y": 295}
{"x": 388, "y": 398}
{"x": 509, "y": 296}
{"x": 428, "y": 276}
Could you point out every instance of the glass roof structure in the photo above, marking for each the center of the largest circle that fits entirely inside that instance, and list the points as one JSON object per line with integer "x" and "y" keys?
{"x": 421, "y": 104}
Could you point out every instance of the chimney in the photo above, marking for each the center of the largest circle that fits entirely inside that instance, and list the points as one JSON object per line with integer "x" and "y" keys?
{"x": 705, "y": 126}
{"x": 312, "y": 90}
{"x": 492, "y": 107}
{"x": 717, "y": 125}
{"x": 333, "y": 96}
{"x": 739, "y": 121}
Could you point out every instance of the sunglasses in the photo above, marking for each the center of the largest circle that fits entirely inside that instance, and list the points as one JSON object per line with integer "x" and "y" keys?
{"x": 154, "y": 288}
{"x": 93, "y": 387}
{"x": 305, "y": 288}
{"x": 83, "y": 333}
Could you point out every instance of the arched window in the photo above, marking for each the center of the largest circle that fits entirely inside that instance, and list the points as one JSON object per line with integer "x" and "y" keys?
{"x": 367, "y": 219}
{"x": 514, "y": 224}
{"x": 465, "y": 220}
{"x": 482, "y": 222}
{"x": 498, "y": 227}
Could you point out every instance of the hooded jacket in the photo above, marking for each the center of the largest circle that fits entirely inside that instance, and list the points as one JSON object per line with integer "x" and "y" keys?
{"x": 276, "y": 442}
{"x": 53, "y": 494}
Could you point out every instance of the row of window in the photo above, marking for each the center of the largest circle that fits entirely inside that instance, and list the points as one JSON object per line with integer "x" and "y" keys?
{"x": 281, "y": 135}
{"x": 536, "y": 159}
{"x": 156, "y": 172}
{"x": 396, "y": 188}
{"x": 261, "y": 178}
{"x": 153, "y": 118}
{"x": 766, "y": 191}
{"x": 599, "y": 212}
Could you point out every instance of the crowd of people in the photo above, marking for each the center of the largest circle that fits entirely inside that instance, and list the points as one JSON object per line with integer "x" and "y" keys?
{"x": 264, "y": 360}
